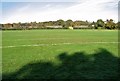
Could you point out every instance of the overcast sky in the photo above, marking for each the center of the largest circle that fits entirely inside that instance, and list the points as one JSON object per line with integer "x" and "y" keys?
{"x": 29, "y": 11}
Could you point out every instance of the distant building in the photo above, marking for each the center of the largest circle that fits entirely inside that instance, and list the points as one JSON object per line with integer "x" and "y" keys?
{"x": 7, "y": 26}
{"x": 0, "y": 26}
{"x": 71, "y": 28}
{"x": 81, "y": 27}
{"x": 53, "y": 26}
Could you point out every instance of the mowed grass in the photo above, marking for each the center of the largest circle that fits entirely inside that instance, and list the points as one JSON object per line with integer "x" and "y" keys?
{"x": 60, "y": 54}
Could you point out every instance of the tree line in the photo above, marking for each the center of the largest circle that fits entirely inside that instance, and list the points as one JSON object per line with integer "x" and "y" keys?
{"x": 61, "y": 24}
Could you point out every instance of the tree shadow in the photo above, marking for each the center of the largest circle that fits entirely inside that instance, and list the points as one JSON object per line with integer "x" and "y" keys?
{"x": 100, "y": 65}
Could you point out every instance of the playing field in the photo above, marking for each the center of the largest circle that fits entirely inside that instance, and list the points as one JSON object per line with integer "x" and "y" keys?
{"x": 60, "y": 54}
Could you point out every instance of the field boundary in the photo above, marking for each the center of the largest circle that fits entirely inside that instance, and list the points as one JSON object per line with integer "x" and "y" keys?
{"x": 37, "y": 45}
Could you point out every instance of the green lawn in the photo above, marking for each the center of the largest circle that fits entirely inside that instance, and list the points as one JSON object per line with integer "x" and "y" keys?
{"x": 60, "y": 54}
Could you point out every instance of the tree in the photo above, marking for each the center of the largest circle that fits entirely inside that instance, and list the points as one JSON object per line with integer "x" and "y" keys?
{"x": 110, "y": 24}
{"x": 77, "y": 23}
{"x": 69, "y": 23}
{"x": 118, "y": 25}
{"x": 92, "y": 25}
{"x": 100, "y": 23}
{"x": 60, "y": 22}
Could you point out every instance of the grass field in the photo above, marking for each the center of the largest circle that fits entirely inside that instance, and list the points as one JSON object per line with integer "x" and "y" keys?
{"x": 60, "y": 54}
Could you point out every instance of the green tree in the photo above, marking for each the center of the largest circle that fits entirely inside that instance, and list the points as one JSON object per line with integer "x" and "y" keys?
{"x": 60, "y": 22}
{"x": 77, "y": 23}
{"x": 118, "y": 25}
{"x": 110, "y": 24}
{"x": 100, "y": 23}
{"x": 69, "y": 23}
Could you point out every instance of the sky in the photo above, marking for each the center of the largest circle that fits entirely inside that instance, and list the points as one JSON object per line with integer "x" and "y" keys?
{"x": 52, "y": 10}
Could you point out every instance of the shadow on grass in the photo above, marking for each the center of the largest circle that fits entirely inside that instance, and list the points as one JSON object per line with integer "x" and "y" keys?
{"x": 101, "y": 65}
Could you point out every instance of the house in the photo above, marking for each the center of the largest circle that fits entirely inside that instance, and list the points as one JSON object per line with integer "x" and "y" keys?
{"x": 7, "y": 26}
{"x": 1, "y": 26}
{"x": 53, "y": 26}
{"x": 81, "y": 27}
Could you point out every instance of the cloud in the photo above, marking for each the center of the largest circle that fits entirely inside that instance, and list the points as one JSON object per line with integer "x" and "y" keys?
{"x": 41, "y": 0}
{"x": 22, "y": 9}
{"x": 90, "y": 10}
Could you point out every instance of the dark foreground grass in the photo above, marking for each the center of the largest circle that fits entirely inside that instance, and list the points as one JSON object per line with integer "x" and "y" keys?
{"x": 77, "y": 60}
